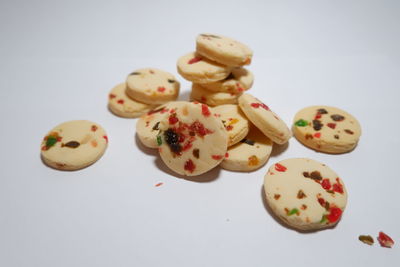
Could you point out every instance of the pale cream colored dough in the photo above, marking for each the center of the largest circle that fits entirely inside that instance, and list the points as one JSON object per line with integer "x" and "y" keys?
{"x": 265, "y": 119}
{"x": 192, "y": 140}
{"x": 305, "y": 194}
{"x": 211, "y": 98}
{"x": 198, "y": 69}
{"x": 147, "y": 126}
{"x": 326, "y": 129}
{"x": 237, "y": 82}
{"x": 152, "y": 86}
{"x": 236, "y": 123}
{"x": 250, "y": 154}
{"x": 223, "y": 49}
{"x": 74, "y": 145}
{"x": 123, "y": 106}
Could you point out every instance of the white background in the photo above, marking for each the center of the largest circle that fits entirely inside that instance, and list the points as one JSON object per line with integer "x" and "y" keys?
{"x": 58, "y": 61}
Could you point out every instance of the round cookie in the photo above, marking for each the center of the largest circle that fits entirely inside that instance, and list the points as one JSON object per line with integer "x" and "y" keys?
{"x": 237, "y": 82}
{"x": 74, "y": 145}
{"x": 326, "y": 129}
{"x": 198, "y": 69}
{"x": 122, "y": 105}
{"x": 152, "y": 86}
{"x": 265, "y": 119}
{"x": 199, "y": 93}
{"x": 305, "y": 194}
{"x": 223, "y": 49}
{"x": 250, "y": 154}
{"x": 147, "y": 125}
{"x": 236, "y": 124}
{"x": 191, "y": 140}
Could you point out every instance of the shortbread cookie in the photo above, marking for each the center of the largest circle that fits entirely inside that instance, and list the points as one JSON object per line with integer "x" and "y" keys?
{"x": 198, "y": 69}
{"x": 326, "y": 129}
{"x": 235, "y": 122}
{"x": 250, "y": 154}
{"x": 199, "y": 93}
{"x": 305, "y": 194}
{"x": 237, "y": 82}
{"x": 147, "y": 126}
{"x": 266, "y": 120}
{"x": 122, "y": 105}
{"x": 73, "y": 145}
{"x": 152, "y": 86}
{"x": 223, "y": 50}
{"x": 191, "y": 140}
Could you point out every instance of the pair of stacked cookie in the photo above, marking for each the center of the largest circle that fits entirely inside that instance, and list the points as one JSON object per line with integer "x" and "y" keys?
{"x": 216, "y": 69}
{"x": 144, "y": 90}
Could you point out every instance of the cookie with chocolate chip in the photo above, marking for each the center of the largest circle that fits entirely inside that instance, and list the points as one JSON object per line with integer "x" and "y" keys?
{"x": 326, "y": 129}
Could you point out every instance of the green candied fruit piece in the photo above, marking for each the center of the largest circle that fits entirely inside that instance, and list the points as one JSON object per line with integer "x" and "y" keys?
{"x": 159, "y": 141}
{"x": 293, "y": 211}
{"x": 51, "y": 141}
{"x": 301, "y": 123}
{"x": 323, "y": 219}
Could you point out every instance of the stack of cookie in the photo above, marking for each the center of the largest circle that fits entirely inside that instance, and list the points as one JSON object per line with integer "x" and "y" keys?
{"x": 144, "y": 90}
{"x": 216, "y": 70}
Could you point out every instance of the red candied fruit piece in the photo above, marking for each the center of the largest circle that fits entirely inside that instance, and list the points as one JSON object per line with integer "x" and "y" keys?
{"x": 229, "y": 127}
{"x": 321, "y": 201}
{"x": 121, "y": 101}
{"x": 94, "y": 128}
{"x": 318, "y": 116}
{"x": 331, "y": 125}
{"x": 106, "y": 138}
{"x": 189, "y": 166}
{"x": 161, "y": 89}
{"x": 338, "y": 187}
{"x": 111, "y": 96}
{"x": 334, "y": 215}
{"x": 264, "y": 106}
{"x": 205, "y": 111}
{"x": 199, "y": 128}
{"x": 255, "y": 105}
{"x": 226, "y": 155}
{"x": 173, "y": 120}
{"x": 194, "y": 60}
{"x": 385, "y": 240}
{"x": 217, "y": 157}
{"x": 187, "y": 146}
{"x": 280, "y": 167}
{"x": 326, "y": 184}
{"x": 317, "y": 135}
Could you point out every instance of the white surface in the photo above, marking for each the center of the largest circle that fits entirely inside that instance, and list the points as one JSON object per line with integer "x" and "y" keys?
{"x": 59, "y": 60}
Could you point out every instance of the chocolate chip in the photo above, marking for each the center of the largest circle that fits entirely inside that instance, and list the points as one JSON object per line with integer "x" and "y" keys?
{"x": 322, "y": 111}
{"x": 155, "y": 127}
{"x": 336, "y": 136}
{"x": 248, "y": 141}
{"x": 210, "y": 35}
{"x": 315, "y": 175}
{"x": 306, "y": 174}
{"x": 134, "y": 73}
{"x": 337, "y": 117}
{"x": 348, "y": 131}
{"x": 277, "y": 196}
{"x": 309, "y": 136}
{"x": 301, "y": 194}
{"x": 196, "y": 153}
{"x": 72, "y": 144}
{"x": 171, "y": 81}
{"x": 317, "y": 125}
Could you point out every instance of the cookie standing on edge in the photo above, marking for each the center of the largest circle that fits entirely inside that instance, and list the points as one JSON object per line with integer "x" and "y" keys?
{"x": 223, "y": 49}
{"x": 305, "y": 194}
{"x": 191, "y": 140}
{"x": 237, "y": 82}
{"x": 147, "y": 126}
{"x": 326, "y": 129}
{"x": 122, "y": 105}
{"x": 250, "y": 154}
{"x": 152, "y": 86}
{"x": 198, "y": 69}
{"x": 236, "y": 124}
{"x": 266, "y": 120}
{"x": 199, "y": 93}
{"x": 74, "y": 145}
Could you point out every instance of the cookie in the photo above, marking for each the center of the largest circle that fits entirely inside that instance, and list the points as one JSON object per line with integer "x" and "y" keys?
{"x": 121, "y": 105}
{"x": 147, "y": 126}
{"x": 266, "y": 120}
{"x": 74, "y": 145}
{"x": 199, "y": 93}
{"x": 223, "y": 49}
{"x": 236, "y": 124}
{"x": 152, "y": 86}
{"x": 191, "y": 140}
{"x": 238, "y": 81}
{"x": 250, "y": 154}
{"x": 198, "y": 69}
{"x": 305, "y": 194}
{"x": 326, "y": 129}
